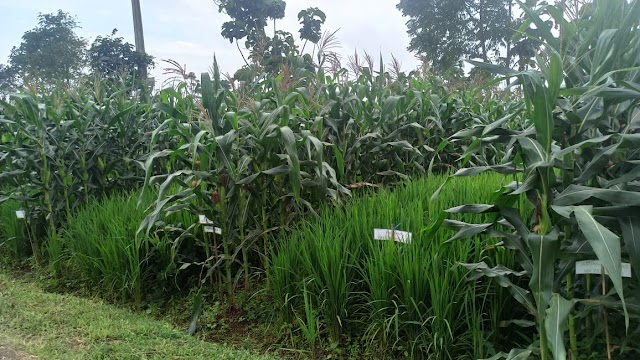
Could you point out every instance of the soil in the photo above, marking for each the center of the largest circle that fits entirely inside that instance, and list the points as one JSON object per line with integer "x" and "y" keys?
{"x": 238, "y": 331}
{"x": 7, "y": 353}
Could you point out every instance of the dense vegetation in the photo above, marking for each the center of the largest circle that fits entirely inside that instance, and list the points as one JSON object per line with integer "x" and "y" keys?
{"x": 395, "y": 298}
{"x": 269, "y": 182}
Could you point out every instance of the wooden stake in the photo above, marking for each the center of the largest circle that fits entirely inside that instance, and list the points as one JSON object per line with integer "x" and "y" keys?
{"x": 606, "y": 316}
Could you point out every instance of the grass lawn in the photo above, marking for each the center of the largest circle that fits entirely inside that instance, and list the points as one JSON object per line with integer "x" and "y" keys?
{"x": 54, "y": 326}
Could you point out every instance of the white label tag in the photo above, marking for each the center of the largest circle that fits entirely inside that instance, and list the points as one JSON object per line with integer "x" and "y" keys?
{"x": 20, "y": 214}
{"x": 395, "y": 235}
{"x": 211, "y": 229}
{"x": 595, "y": 267}
{"x": 204, "y": 221}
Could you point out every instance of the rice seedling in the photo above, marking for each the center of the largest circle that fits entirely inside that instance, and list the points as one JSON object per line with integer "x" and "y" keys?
{"x": 309, "y": 326}
{"x": 56, "y": 256}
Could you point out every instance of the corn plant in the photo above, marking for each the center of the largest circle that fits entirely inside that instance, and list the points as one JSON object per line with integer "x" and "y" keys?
{"x": 62, "y": 149}
{"x": 577, "y": 156}
{"x": 255, "y": 158}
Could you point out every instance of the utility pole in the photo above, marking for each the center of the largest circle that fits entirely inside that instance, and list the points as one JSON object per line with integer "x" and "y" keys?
{"x": 139, "y": 34}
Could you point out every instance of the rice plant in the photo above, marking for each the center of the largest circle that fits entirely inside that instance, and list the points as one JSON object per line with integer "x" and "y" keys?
{"x": 411, "y": 298}
{"x": 102, "y": 246}
{"x": 14, "y": 244}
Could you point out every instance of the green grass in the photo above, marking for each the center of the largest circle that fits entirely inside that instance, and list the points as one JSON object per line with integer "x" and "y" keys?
{"x": 53, "y": 326}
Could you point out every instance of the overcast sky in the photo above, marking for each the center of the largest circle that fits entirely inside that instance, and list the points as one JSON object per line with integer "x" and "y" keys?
{"x": 188, "y": 31}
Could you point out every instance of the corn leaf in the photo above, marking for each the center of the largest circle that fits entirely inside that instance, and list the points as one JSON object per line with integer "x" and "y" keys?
{"x": 630, "y": 226}
{"x": 606, "y": 246}
{"x": 555, "y": 325}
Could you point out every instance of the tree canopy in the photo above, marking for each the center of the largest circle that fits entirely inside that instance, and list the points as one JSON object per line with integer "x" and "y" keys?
{"x": 447, "y": 31}
{"x": 50, "y": 52}
{"x": 249, "y": 19}
{"x": 111, "y": 55}
{"x": 6, "y": 79}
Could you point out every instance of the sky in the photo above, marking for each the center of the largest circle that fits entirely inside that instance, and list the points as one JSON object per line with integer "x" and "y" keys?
{"x": 188, "y": 31}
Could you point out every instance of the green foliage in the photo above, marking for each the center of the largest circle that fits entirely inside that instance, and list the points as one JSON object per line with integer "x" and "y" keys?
{"x": 249, "y": 18}
{"x": 271, "y": 156}
{"x": 268, "y": 55}
{"x": 397, "y": 298}
{"x": 578, "y": 161}
{"x": 111, "y": 56}
{"x": 448, "y": 31}
{"x": 7, "y": 80}
{"x": 311, "y": 20}
{"x": 13, "y": 242}
{"x": 61, "y": 150}
{"x": 51, "y": 52}
{"x": 255, "y": 165}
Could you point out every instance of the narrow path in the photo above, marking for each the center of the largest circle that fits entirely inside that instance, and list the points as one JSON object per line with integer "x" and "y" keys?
{"x": 35, "y": 324}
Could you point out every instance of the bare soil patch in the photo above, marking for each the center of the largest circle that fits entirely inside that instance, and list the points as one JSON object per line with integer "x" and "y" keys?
{"x": 7, "y": 353}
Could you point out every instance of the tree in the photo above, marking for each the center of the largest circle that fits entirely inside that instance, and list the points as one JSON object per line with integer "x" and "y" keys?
{"x": 446, "y": 31}
{"x": 111, "y": 56}
{"x": 249, "y": 19}
{"x": 50, "y": 52}
{"x": 7, "y": 79}
{"x": 311, "y": 20}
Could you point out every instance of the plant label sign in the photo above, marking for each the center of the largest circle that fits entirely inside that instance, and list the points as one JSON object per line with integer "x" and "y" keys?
{"x": 395, "y": 235}
{"x": 213, "y": 230}
{"x": 20, "y": 214}
{"x": 204, "y": 221}
{"x": 595, "y": 267}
